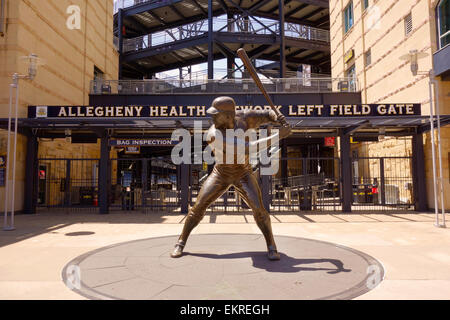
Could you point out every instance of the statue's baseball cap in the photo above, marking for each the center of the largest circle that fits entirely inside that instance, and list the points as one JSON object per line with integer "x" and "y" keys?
{"x": 222, "y": 104}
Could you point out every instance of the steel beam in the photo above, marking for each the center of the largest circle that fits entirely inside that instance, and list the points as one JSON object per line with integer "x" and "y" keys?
{"x": 282, "y": 39}
{"x": 120, "y": 26}
{"x": 177, "y": 12}
{"x": 382, "y": 182}
{"x": 184, "y": 175}
{"x": 265, "y": 190}
{"x": 294, "y": 11}
{"x": 31, "y": 174}
{"x": 104, "y": 173}
{"x": 166, "y": 48}
{"x": 183, "y": 64}
{"x": 419, "y": 179}
{"x": 147, "y": 6}
{"x": 346, "y": 173}
{"x": 180, "y": 22}
{"x": 67, "y": 191}
{"x": 210, "y": 41}
{"x": 312, "y": 13}
{"x": 317, "y": 3}
{"x": 350, "y": 130}
{"x": 199, "y": 6}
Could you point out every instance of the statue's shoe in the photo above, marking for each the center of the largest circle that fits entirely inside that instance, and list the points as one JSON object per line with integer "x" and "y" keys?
{"x": 273, "y": 254}
{"x": 178, "y": 250}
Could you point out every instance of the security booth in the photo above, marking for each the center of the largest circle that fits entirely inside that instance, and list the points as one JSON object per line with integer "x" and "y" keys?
{"x": 319, "y": 167}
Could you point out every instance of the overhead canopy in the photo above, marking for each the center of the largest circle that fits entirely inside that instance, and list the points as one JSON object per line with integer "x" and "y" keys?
{"x": 320, "y": 119}
{"x": 323, "y": 126}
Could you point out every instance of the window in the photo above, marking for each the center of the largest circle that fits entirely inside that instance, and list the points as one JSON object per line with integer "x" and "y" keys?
{"x": 348, "y": 17}
{"x": 351, "y": 72}
{"x": 443, "y": 16}
{"x": 98, "y": 80}
{"x": 351, "y": 75}
{"x": 365, "y": 4}
{"x": 368, "y": 58}
{"x": 408, "y": 24}
{"x": 98, "y": 74}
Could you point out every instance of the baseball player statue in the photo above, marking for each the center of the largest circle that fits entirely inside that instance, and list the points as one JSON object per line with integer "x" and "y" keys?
{"x": 239, "y": 174}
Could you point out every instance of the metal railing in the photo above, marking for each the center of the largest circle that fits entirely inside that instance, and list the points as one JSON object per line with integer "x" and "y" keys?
{"x": 177, "y": 86}
{"x": 220, "y": 73}
{"x": 223, "y": 25}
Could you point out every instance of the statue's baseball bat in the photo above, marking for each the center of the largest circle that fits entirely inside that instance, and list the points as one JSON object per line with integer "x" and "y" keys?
{"x": 247, "y": 63}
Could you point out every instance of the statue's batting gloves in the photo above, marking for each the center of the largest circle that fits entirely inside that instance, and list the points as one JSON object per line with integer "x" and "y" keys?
{"x": 281, "y": 118}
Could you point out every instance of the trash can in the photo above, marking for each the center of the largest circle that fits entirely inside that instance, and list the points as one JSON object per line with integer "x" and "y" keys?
{"x": 128, "y": 199}
{"x": 305, "y": 199}
{"x": 361, "y": 193}
{"x": 86, "y": 196}
{"x": 375, "y": 199}
{"x": 355, "y": 194}
{"x": 368, "y": 192}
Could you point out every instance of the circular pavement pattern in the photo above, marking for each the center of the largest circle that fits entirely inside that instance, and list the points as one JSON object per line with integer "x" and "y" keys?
{"x": 223, "y": 267}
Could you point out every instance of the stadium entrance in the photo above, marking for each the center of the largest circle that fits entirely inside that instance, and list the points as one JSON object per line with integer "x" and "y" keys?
{"x": 323, "y": 166}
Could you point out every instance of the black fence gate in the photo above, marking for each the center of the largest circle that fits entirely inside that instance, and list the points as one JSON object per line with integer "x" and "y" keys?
{"x": 312, "y": 184}
{"x": 382, "y": 183}
{"x": 154, "y": 185}
{"x": 68, "y": 183}
{"x": 145, "y": 184}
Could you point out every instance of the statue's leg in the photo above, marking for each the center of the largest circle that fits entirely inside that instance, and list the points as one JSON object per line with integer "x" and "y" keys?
{"x": 212, "y": 188}
{"x": 249, "y": 189}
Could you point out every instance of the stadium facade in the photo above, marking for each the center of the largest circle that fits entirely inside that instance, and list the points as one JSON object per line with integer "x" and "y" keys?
{"x": 106, "y": 146}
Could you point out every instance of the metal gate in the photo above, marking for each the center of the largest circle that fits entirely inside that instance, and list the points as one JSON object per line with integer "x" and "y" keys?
{"x": 154, "y": 185}
{"x": 145, "y": 184}
{"x": 382, "y": 183}
{"x": 68, "y": 183}
{"x": 312, "y": 184}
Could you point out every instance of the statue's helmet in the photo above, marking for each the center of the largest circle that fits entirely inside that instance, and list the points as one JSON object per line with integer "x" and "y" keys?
{"x": 222, "y": 104}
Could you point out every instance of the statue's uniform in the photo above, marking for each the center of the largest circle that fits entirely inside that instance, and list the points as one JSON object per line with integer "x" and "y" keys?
{"x": 240, "y": 176}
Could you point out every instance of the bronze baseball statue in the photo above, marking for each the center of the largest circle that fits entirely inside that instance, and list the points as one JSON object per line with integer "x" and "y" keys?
{"x": 240, "y": 175}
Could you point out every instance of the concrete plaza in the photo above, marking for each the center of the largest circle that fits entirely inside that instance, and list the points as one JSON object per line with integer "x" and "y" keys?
{"x": 414, "y": 253}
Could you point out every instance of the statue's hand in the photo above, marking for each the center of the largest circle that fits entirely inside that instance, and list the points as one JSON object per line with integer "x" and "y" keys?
{"x": 281, "y": 118}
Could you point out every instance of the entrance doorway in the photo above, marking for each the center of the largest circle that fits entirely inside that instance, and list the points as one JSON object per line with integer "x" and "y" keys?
{"x": 146, "y": 181}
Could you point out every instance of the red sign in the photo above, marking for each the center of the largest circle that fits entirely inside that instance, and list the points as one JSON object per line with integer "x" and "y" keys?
{"x": 330, "y": 141}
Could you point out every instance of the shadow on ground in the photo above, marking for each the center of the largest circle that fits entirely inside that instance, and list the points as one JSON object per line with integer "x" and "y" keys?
{"x": 286, "y": 264}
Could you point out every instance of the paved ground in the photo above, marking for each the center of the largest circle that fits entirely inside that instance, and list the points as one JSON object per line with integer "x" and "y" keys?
{"x": 223, "y": 267}
{"x": 414, "y": 254}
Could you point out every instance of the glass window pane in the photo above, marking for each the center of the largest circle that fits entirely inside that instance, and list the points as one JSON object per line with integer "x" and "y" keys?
{"x": 444, "y": 22}
{"x": 348, "y": 17}
{"x": 365, "y": 4}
